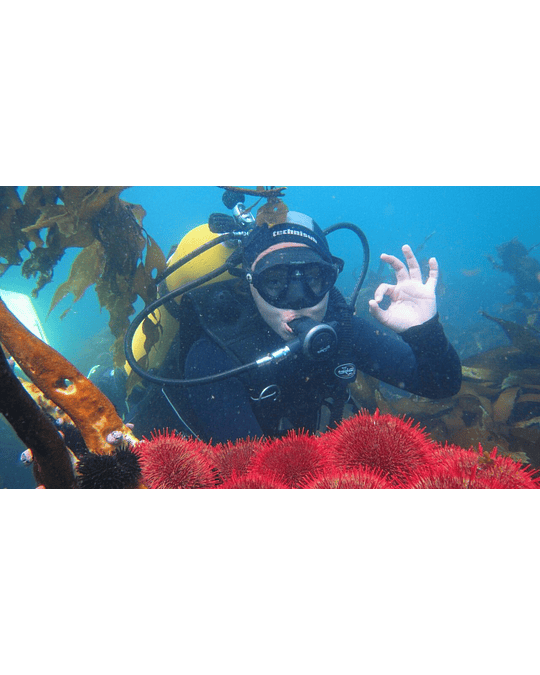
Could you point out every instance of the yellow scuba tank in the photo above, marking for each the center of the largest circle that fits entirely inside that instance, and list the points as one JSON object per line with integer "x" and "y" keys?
{"x": 167, "y": 325}
{"x": 203, "y": 263}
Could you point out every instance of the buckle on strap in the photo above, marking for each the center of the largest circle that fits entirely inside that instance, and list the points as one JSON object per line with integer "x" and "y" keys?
{"x": 270, "y": 393}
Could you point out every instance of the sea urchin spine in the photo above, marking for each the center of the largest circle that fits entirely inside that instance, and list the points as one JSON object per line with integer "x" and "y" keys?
{"x": 118, "y": 471}
{"x": 173, "y": 462}
{"x": 293, "y": 459}
{"x": 384, "y": 442}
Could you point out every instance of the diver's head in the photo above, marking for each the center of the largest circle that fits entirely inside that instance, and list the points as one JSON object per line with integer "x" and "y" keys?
{"x": 290, "y": 271}
{"x": 297, "y": 228}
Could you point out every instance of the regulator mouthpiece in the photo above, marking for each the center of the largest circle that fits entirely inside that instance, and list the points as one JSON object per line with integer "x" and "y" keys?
{"x": 318, "y": 341}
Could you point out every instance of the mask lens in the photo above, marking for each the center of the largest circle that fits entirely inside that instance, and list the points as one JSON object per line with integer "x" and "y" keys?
{"x": 274, "y": 281}
{"x": 295, "y": 286}
{"x": 317, "y": 279}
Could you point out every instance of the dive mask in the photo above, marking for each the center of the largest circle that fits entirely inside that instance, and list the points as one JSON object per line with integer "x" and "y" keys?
{"x": 294, "y": 278}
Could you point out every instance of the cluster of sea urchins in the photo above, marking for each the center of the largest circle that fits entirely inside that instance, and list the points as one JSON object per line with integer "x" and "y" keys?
{"x": 364, "y": 452}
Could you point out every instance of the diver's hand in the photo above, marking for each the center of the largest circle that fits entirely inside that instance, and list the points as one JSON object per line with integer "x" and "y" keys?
{"x": 412, "y": 302}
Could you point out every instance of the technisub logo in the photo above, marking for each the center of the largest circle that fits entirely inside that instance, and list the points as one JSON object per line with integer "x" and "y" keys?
{"x": 296, "y": 233}
{"x": 347, "y": 371}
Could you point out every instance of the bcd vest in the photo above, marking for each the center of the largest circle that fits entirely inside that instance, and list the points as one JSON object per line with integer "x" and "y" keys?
{"x": 294, "y": 393}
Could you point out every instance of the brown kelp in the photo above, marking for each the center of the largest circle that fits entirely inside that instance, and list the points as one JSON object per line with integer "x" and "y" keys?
{"x": 524, "y": 269}
{"x": 117, "y": 256}
{"x": 525, "y": 338}
{"x": 52, "y": 459}
{"x": 94, "y": 416}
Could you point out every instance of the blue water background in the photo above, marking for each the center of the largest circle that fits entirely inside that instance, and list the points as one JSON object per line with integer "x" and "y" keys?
{"x": 466, "y": 225}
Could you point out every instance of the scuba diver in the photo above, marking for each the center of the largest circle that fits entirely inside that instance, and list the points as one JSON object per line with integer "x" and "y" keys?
{"x": 265, "y": 342}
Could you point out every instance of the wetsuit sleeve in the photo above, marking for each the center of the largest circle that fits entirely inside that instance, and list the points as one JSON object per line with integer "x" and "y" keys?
{"x": 420, "y": 360}
{"x": 222, "y": 408}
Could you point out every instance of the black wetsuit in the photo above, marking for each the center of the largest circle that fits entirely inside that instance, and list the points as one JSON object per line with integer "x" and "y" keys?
{"x": 420, "y": 361}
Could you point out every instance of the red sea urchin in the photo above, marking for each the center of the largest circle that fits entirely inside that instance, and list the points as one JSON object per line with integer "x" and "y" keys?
{"x": 234, "y": 458}
{"x": 171, "y": 462}
{"x": 383, "y": 442}
{"x": 355, "y": 479}
{"x": 469, "y": 469}
{"x": 293, "y": 459}
{"x": 253, "y": 481}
